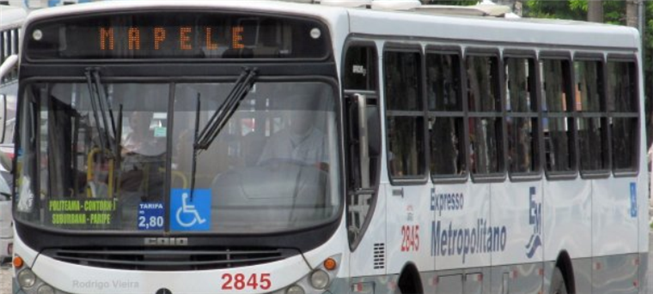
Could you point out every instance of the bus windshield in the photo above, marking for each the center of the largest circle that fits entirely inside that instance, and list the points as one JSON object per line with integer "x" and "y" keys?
{"x": 119, "y": 157}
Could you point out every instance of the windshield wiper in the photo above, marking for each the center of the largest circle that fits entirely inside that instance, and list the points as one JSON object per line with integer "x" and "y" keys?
{"x": 103, "y": 100}
{"x": 226, "y": 110}
{"x": 94, "y": 106}
{"x": 193, "y": 167}
{"x": 99, "y": 101}
{"x": 204, "y": 139}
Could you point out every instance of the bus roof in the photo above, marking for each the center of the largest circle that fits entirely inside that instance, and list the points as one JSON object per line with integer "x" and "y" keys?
{"x": 329, "y": 14}
{"x": 528, "y": 32}
{"x": 415, "y": 24}
{"x": 11, "y": 16}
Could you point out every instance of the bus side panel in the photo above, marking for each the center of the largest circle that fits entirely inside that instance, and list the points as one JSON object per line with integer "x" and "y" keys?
{"x": 567, "y": 219}
{"x": 462, "y": 220}
{"x": 614, "y": 235}
{"x": 409, "y": 217}
{"x": 614, "y": 229}
{"x": 516, "y": 210}
{"x": 643, "y": 269}
{"x": 369, "y": 256}
{"x": 615, "y": 274}
{"x": 520, "y": 278}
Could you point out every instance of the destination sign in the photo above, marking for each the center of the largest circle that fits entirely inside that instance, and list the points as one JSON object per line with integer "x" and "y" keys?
{"x": 177, "y": 35}
{"x": 83, "y": 213}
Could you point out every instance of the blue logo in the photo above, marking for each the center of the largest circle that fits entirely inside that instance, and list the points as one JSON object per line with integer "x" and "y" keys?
{"x": 633, "y": 199}
{"x": 188, "y": 214}
{"x": 535, "y": 220}
{"x": 150, "y": 216}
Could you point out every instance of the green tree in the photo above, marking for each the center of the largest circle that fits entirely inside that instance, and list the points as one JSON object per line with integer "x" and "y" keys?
{"x": 572, "y": 9}
{"x": 614, "y": 11}
{"x": 450, "y": 2}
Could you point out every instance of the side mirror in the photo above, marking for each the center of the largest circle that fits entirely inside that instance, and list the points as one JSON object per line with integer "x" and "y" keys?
{"x": 7, "y": 68}
{"x": 3, "y": 116}
{"x": 6, "y": 162}
{"x": 8, "y": 65}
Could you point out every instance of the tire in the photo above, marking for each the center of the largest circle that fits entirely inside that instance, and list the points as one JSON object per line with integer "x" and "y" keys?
{"x": 408, "y": 284}
{"x": 558, "y": 285}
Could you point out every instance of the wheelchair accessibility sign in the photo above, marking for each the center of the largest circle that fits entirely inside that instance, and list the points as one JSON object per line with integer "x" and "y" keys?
{"x": 190, "y": 214}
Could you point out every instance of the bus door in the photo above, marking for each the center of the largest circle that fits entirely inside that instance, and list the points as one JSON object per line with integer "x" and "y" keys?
{"x": 6, "y": 224}
{"x": 407, "y": 193}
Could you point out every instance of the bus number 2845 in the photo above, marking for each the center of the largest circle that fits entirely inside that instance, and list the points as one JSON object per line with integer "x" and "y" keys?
{"x": 240, "y": 282}
{"x": 410, "y": 238}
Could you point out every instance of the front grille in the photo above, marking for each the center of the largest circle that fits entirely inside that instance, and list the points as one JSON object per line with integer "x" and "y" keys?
{"x": 169, "y": 259}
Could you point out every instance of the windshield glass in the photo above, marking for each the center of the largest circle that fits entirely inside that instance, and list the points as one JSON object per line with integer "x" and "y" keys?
{"x": 119, "y": 165}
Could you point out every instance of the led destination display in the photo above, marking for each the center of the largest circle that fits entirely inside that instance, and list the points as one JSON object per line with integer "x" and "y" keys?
{"x": 178, "y": 35}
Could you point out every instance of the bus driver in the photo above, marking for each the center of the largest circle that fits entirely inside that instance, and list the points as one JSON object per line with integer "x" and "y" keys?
{"x": 142, "y": 157}
{"x": 142, "y": 140}
{"x": 300, "y": 140}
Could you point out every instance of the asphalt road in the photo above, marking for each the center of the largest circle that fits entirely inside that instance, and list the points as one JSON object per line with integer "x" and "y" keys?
{"x": 5, "y": 280}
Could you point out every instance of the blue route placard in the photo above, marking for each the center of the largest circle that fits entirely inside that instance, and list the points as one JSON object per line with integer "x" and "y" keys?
{"x": 151, "y": 216}
{"x": 633, "y": 199}
{"x": 188, "y": 214}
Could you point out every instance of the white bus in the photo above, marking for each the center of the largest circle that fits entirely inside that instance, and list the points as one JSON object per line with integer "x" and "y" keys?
{"x": 11, "y": 19}
{"x": 274, "y": 147}
{"x": 10, "y": 23}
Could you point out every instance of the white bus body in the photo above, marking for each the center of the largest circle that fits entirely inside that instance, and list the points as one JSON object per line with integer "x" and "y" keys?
{"x": 11, "y": 20}
{"x": 406, "y": 228}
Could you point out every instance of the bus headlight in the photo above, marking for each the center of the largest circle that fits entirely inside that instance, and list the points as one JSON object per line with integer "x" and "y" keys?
{"x": 45, "y": 289}
{"x": 26, "y": 278}
{"x": 295, "y": 289}
{"x": 31, "y": 284}
{"x": 319, "y": 279}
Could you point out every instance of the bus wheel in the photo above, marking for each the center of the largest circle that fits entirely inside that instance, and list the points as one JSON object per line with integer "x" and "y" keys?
{"x": 558, "y": 285}
{"x": 409, "y": 281}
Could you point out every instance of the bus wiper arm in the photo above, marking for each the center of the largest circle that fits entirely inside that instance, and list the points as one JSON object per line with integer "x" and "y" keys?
{"x": 226, "y": 110}
{"x": 100, "y": 102}
{"x": 92, "y": 92}
{"x": 193, "y": 168}
{"x": 104, "y": 101}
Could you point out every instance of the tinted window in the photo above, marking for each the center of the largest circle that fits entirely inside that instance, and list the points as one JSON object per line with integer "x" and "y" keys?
{"x": 592, "y": 131}
{"x": 360, "y": 68}
{"x": 558, "y": 119}
{"x": 622, "y": 104}
{"x": 446, "y": 117}
{"x": 404, "y": 121}
{"x": 485, "y": 121}
{"x": 521, "y": 115}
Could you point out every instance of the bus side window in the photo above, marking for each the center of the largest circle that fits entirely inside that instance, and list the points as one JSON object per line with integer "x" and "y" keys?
{"x": 592, "y": 126}
{"x": 521, "y": 115}
{"x": 624, "y": 114}
{"x": 485, "y": 121}
{"x": 404, "y": 114}
{"x": 446, "y": 115}
{"x": 558, "y": 118}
